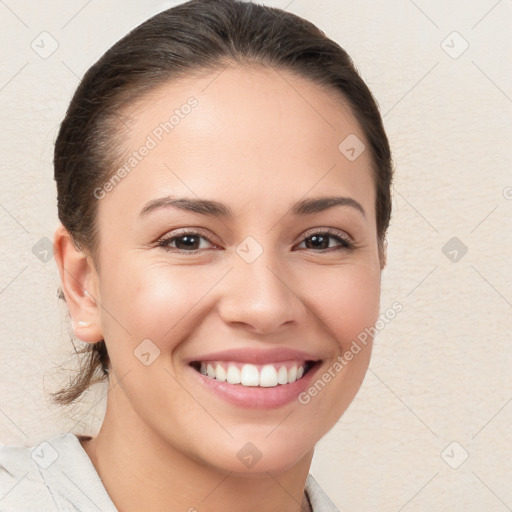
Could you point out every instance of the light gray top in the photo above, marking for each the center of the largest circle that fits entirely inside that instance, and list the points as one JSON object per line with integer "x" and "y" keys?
{"x": 57, "y": 475}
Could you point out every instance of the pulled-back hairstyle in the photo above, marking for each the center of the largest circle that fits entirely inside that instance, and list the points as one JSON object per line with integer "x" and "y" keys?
{"x": 198, "y": 35}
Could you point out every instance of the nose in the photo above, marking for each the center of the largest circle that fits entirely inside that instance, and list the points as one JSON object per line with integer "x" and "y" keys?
{"x": 260, "y": 298}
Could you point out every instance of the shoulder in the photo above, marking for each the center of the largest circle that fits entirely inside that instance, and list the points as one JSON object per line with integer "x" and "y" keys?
{"x": 54, "y": 475}
{"x": 320, "y": 502}
{"x": 22, "y": 483}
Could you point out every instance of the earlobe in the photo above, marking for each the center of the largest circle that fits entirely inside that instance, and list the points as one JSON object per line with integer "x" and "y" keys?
{"x": 77, "y": 275}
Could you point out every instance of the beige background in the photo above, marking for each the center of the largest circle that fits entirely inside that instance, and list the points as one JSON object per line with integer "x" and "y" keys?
{"x": 440, "y": 372}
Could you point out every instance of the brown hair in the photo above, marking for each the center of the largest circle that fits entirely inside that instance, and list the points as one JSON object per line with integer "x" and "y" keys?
{"x": 194, "y": 36}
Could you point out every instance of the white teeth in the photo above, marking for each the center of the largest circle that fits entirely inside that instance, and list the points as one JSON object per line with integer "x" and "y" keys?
{"x": 282, "y": 375}
{"x": 249, "y": 375}
{"x": 233, "y": 375}
{"x": 292, "y": 374}
{"x": 268, "y": 376}
{"x": 220, "y": 373}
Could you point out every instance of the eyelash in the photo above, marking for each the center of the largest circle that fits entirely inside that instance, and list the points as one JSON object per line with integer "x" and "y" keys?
{"x": 344, "y": 243}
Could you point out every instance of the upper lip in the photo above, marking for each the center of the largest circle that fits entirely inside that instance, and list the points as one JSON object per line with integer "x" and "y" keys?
{"x": 256, "y": 356}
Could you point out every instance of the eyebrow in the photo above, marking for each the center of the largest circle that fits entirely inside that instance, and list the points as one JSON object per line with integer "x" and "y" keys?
{"x": 216, "y": 209}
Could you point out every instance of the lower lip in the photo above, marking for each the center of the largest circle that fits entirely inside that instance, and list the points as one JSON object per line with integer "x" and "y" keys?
{"x": 255, "y": 397}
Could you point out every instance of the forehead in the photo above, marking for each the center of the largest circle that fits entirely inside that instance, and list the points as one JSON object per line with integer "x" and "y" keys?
{"x": 232, "y": 130}
{"x": 262, "y": 101}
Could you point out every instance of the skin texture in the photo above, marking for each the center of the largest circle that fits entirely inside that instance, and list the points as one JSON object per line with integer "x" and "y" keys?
{"x": 258, "y": 141}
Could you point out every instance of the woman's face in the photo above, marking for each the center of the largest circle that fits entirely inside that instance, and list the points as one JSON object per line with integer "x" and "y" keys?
{"x": 219, "y": 254}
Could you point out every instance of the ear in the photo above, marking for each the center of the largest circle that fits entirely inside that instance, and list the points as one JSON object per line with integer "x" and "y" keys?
{"x": 78, "y": 276}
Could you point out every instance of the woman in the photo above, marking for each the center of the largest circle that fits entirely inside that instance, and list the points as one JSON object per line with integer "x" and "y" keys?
{"x": 223, "y": 186}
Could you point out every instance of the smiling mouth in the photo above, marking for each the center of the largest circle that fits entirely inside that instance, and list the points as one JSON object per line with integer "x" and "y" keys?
{"x": 253, "y": 375}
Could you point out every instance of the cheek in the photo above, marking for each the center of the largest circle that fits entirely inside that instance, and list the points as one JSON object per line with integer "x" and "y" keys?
{"x": 155, "y": 301}
{"x": 347, "y": 301}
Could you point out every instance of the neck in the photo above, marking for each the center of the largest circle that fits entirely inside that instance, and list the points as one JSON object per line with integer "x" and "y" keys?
{"x": 140, "y": 471}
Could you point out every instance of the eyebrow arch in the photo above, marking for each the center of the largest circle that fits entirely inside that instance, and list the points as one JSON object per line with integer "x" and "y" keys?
{"x": 315, "y": 205}
{"x": 202, "y": 206}
{"x": 216, "y": 209}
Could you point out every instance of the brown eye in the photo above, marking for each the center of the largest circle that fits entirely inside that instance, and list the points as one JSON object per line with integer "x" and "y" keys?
{"x": 324, "y": 240}
{"x": 186, "y": 242}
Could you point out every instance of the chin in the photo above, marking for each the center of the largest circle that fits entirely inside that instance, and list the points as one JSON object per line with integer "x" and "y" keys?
{"x": 257, "y": 458}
